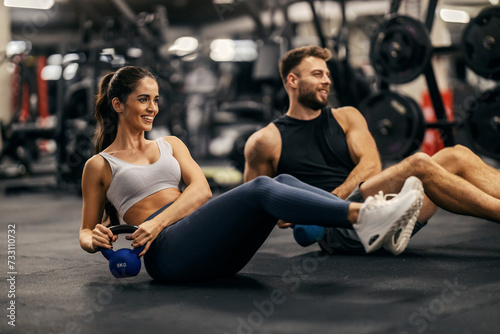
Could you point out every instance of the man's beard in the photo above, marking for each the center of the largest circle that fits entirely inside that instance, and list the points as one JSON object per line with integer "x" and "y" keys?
{"x": 310, "y": 100}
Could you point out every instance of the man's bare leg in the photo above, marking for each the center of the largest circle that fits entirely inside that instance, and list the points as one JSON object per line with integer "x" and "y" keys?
{"x": 461, "y": 161}
{"x": 444, "y": 189}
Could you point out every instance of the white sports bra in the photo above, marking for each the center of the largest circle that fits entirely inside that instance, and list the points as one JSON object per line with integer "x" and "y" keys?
{"x": 132, "y": 183}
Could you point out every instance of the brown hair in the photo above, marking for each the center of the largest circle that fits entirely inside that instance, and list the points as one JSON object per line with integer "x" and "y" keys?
{"x": 118, "y": 84}
{"x": 294, "y": 57}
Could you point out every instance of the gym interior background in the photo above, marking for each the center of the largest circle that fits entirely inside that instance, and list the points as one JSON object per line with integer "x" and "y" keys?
{"x": 424, "y": 73}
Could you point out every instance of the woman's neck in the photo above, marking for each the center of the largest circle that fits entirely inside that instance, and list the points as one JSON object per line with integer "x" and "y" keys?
{"x": 129, "y": 140}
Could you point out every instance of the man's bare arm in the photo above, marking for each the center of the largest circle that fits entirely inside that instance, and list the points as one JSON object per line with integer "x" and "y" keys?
{"x": 362, "y": 149}
{"x": 261, "y": 151}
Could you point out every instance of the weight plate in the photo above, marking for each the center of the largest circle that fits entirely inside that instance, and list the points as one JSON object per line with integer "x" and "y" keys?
{"x": 400, "y": 49}
{"x": 396, "y": 122}
{"x": 483, "y": 124}
{"x": 481, "y": 43}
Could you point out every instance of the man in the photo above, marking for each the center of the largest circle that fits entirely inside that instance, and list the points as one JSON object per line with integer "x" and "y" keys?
{"x": 332, "y": 149}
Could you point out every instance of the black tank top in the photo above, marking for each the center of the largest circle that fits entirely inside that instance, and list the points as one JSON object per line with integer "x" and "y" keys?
{"x": 314, "y": 151}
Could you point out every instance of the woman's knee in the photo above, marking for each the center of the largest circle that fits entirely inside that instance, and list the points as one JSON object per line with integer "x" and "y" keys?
{"x": 284, "y": 178}
{"x": 261, "y": 181}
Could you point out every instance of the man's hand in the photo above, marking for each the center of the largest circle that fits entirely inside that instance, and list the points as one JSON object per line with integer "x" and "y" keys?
{"x": 284, "y": 224}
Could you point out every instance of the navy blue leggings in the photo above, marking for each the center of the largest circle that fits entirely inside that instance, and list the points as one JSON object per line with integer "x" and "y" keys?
{"x": 221, "y": 236}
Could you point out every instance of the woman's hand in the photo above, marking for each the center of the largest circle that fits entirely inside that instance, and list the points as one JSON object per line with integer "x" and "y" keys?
{"x": 102, "y": 237}
{"x": 145, "y": 235}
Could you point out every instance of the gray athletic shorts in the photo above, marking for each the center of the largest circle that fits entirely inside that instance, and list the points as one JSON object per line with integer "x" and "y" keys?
{"x": 342, "y": 240}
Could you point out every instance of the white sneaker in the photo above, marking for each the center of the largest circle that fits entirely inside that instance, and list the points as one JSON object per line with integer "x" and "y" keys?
{"x": 399, "y": 240}
{"x": 380, "y": 218}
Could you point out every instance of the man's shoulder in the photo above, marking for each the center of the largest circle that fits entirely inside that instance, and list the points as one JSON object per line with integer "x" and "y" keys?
{"x": 269, "y": 133}
{"x": 345, "y": 111}
{"x": 264, "y": 139}
{"x": 346, "y": 116}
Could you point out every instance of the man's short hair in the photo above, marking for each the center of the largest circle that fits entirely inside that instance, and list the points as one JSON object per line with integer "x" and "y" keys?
{"x": 294, "y": 57}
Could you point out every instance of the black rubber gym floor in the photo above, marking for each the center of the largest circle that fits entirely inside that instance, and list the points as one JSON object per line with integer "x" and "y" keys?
{"x": 448, "y": 281}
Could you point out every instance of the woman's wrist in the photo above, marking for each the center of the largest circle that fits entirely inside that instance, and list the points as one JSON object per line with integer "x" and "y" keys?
{"x": 89, "y": 246}
{"x": 93, "y": 249}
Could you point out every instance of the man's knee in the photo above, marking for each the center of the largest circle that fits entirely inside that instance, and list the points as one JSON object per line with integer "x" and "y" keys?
{"x": 460, "y": 151}
{"x": 452, "y": 153}
{"x": 419, "y": 163}
{"x": 452, "y": 158}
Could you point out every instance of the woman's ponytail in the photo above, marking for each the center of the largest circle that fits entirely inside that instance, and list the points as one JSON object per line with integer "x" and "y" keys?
{"x": 106, "y": 117}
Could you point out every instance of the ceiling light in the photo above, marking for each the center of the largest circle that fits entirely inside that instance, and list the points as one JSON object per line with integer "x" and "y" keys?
{"x": 222, "y": 50}
{"x": 17, "y": 47}
{"x": 70, "y": 71}
{"x": 454, "y": 16}
{"x": 32, "y": 4}
{"x": 55, "y": 59}
{"x": 184, "y": 46}
{"x": 70, "y": 58}
{"x": 51, "y": 72}
{"x": 134, "y": 52}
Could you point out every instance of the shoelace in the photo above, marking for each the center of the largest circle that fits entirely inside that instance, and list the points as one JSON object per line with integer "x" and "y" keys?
{"x": 382, "y": 199}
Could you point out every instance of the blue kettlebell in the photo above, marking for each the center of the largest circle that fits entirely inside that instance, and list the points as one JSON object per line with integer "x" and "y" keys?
{"x": 306, "y": 235}
{"x": 124, "y": 262}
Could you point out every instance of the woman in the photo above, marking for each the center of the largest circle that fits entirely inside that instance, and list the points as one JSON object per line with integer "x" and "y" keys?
{"x": 157, "y": 186}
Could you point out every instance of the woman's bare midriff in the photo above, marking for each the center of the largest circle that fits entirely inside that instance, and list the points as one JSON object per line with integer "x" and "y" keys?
{"x": 141, "y": 210}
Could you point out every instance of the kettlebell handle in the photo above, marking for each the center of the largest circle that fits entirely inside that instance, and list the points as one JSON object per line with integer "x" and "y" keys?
{"x": 119, "y": 229}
